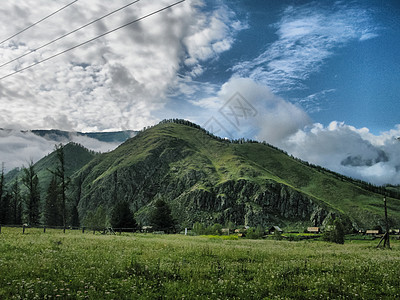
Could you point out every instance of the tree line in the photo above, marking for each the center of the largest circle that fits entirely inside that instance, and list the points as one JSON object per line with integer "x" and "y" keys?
{"x": 21, "y": 203}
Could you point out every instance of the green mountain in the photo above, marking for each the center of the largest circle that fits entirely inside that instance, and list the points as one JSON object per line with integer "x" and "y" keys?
{"x": 212, "y": 180}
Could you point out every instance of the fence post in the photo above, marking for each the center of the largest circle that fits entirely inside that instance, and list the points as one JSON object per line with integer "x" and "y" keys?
{"x": 44, "y": 229}
{"x": 64, "y": 229}
{"x": 83, "y": 229}
{"x": 23, "y": 229}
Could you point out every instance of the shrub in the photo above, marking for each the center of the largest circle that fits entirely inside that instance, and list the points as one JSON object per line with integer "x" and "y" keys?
{"x": 336, "y": 233}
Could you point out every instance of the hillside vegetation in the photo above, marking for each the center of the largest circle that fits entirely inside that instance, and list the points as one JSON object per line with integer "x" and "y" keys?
{"x": 212, "y": 180}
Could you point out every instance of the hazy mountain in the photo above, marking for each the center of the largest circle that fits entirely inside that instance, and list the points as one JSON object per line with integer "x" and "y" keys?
{"x": 108, "y": 137}
{"x": 18, "y": 148}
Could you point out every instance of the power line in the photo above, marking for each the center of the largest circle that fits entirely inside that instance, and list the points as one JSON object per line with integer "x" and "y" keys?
{"x": 41, "y": 20}
{"x": 69, "y": 33}
{"x": 91, "y": 40}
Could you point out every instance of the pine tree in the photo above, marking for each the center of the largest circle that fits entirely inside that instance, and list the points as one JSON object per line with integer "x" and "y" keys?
{"x": 31, "y": 181}
{"x": 161, "y": 218}
{"x": 122, "y": 216}
{"x": 74, "y": 213}
{"x": 16, "y": 204}
{"x": 52, "y": 216}
{"x": 5, "y": 208}
{"x": 63, "y": 181}
{"x": 74, "y": 221}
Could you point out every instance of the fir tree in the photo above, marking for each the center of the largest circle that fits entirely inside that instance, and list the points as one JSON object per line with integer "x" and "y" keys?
{"x": 31, "y": 182}
{"x": 52, "y": 215}
{"x": 122, "y": 216}
{"x": 161, "y": 218}
{"x": 16, "y": 204}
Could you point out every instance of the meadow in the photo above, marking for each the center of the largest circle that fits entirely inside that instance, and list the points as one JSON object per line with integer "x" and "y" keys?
{"x": 52, "y": 265}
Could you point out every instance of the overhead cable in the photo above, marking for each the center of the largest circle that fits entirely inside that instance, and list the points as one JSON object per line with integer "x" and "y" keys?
{"x": 41, "y": 20}
{"x": 91, "y": 40}
{"x": 69, "y": 33}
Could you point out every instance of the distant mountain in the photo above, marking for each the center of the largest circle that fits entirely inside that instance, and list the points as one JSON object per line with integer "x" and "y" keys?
{"x": 208, "y": 179}
{"x": 108, "y": 137}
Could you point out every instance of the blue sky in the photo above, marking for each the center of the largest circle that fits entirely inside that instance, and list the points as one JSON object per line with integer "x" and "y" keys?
{"x": 345, "y": 70}
{"x": 318, "y": 79}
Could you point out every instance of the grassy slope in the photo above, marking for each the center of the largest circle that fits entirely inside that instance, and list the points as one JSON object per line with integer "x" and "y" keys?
{"x": 139, "y": 266}
{"x": 342, "y": 195}
{"x": 223, "y": 161}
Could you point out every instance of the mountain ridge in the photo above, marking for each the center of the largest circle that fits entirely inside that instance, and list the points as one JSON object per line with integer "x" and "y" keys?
{"x": 196, "y": 173}
{"x": 209, "y": 179}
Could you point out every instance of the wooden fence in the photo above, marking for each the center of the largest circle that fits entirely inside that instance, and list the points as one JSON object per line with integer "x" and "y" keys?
{"x": 107, "y": 230}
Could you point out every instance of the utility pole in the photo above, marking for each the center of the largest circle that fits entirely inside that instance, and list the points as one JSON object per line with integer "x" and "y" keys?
{"x": 386, "y": 236}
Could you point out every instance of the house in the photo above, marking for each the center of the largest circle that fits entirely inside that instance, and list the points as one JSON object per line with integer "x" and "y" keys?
{"x": 313, "y": 230}
{"x": 275, "y": 229}
{"x": 226, "y": 231}
{"x": 372, "y": 232}
{"x": 147, "y": 229}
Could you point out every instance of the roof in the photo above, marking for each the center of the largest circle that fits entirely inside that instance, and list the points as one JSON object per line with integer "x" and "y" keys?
{"x": 313, "y": 229}
{"x": 276, "y": 228}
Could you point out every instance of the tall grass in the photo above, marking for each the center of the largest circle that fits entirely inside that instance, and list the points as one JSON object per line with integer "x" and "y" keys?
{"x": 140, "y": 266}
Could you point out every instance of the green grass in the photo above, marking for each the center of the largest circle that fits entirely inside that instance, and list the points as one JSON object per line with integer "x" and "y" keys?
{"x": 140, "y": 266}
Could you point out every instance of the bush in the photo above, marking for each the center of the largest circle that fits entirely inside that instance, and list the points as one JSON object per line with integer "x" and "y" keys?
{"x": 336, "y": 233}
{"x": 255, "y": 233}
{"x": 122, "y": 216}
{"x": 161, "y": 218}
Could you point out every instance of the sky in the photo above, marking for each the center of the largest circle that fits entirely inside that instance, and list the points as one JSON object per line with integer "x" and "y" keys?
{"x": 319, "y": 79}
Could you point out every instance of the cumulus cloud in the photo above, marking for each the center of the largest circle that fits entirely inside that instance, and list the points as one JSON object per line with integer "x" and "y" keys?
{"x": 259, "y": 113}
{"x": 347, "y": 150}
{"x": 307, "y": 36}
{"x": 248, "y": 108}
{"x": 116, "y": 82}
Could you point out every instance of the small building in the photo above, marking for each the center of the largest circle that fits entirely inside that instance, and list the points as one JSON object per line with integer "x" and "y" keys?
{"x": 313, "y": 230}
{"x": 372, "y": 232}
{"x": 274, "y": 230}
{"x": 226, "y": 231}
{"x": 147, "y": 229}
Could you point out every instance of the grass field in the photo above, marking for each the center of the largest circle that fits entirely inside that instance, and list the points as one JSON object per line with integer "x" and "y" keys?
{"x": 139, "y": 266}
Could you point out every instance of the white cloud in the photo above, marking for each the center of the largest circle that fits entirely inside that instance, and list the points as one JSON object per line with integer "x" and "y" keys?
{"x": 18, "y": 148}
{"x": 116, "y": 82}
{"x": 307, "y": 36}
{"x": 350, "y": 151}
{"x": 256, "y": 111}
